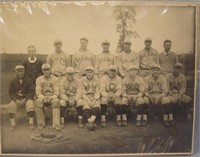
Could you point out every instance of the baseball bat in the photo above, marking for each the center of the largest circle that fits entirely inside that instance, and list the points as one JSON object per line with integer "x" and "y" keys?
{"x": 139, "y": 147}
{"x": 151, "y": 144}
{"x": 143, "y": 148}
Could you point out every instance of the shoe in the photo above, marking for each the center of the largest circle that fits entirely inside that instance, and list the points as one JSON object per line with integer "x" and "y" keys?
{"x": 62, "y": 125}
{"x": 40, "y": 127}
{"x": 124, "y": 122}
{"x": 12, "y": 128}
{"x": 31, "y": 126}
{"x": 171, "y": 123}
{"x": 80, "y": 123}
{"x": 138, "y": 123}
{"x": 103, "y": 124}
{"x": 57, "y": 128}
{"x": 144, "y": 123}
{"x": 119, "y": 123}
{"x": 166, "y": 123}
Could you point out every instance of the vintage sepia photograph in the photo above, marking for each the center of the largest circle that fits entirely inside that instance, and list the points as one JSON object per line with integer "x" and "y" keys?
{"x": 98, "y": 78}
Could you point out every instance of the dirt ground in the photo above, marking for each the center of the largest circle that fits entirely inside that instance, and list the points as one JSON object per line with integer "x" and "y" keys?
{"x": 108, "y": 140}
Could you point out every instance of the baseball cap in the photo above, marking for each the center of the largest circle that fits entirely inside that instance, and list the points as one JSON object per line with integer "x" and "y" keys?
{"x": 148, "y": 39}
{"x": 70, "y": 70}
{"x": 89, "y": 68}
{"x": 112, "y": 67}
{"x": 46, "y": 66}
{"x": 156, "y": 66}
{"x": 57, "y": 41}
{"x": 178, "y": 65}
{"x": 19, "y": 67}
{"x": 133, "y": 67}
{"x": 105, "y": 42}
{"x": 84, "y": 38}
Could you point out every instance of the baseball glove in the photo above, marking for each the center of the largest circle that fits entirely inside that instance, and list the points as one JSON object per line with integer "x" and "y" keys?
{"x": 91, "y": 126}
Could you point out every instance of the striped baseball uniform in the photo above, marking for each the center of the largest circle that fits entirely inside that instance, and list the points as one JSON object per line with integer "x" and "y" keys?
{"x": 58, "y": 62}
{"x": 131, "y": 88}
{"x": 81, "y": 60}
{"x": 110, "y": 87}
{"x": 177, "y": 87}
{"x": 125, "y": 60}
{"x": 47, "y": 92}
{"x": 91, "y": 93}
{"x": 146, "y": 60}
{"x": 71, "y": 90}
{"x": 103, "y": 61}
{"x": 157, "y": 87}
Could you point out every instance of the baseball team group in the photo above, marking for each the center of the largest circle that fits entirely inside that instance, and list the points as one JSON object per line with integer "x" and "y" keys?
{"x": 85, "y": 85}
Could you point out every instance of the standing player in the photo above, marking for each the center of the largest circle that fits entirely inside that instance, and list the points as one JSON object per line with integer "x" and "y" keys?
{"x": 111, "y": 90}
{"x": 91, "y": 97}
{"x": 105, "y": 59}
{"x": 71, "y": 96}
{"x": 58, "y": 60}
{"x": 126, "y": 58}
{"x": 177, "y": 88}
{"x": 147, "y": 58}
{"x": 32, "y": 64}
{"x": 82, "y": 58}
{"x": 133, "y": 92}
{"x": 156, "y": 91}
{"x": 21, "y": 93}
{"x": 47, "y": 92}
{"x": 167, "y": 59}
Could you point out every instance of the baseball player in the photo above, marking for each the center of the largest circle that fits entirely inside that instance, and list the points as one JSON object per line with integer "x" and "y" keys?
{"x": 147, "y": 58}
{"x": 82, "y": 58}
{"x": 177, "y": 87}
{"x": 133, "y": 92}
{"x": 21, "y": 92}
{"x": 32, "y": 64}
{"x": 156, "y": 91}
{"x": 91, "y": 97}
{"x": 71, "y": 94}
{"x": 105, "y": 59}
{"x": 111, "y": 90}
{"x": 58, "y": 60}
{"x": 167, "y": 59}
{"x": 47, "y": 92}
{"x": 126, "y": 58}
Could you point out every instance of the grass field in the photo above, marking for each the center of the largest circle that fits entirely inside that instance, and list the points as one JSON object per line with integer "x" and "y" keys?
{"x": 108, "y": 140}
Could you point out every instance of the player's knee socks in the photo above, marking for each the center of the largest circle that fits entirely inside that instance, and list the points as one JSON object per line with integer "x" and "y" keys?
{"x": 124, "y": 109}
{"x": 95, "y": 111}
{"x": 62, "y": 111}
{"x": 80, "y": 110}
{"x": 118, "y": 109}
{"x": 164, "y": 109}
{"x": 103, "y": 109}
{"x": 140, "y": 109}
{"x": 187, "y": 108}
{"x": 11, "y": 115}
{"x": 87, "y": 114}
{"x": 145, "y": 109}
{"x": 31, "y": 114}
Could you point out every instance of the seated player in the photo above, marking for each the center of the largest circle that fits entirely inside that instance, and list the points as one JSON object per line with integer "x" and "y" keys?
{"x": 47, "y": 92}
{"x": 91, "y": 97}
{"x": 133, "y": 92}
{"x": 21, "y": 93}
{"x": 111, "y": 90}
{"x": 177, "y": 87}
{"x": 156, "y": 91}
{"x": 71, "y": 96}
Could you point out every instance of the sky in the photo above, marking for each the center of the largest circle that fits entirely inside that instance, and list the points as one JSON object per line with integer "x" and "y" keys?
{"x": 40, "y": 24}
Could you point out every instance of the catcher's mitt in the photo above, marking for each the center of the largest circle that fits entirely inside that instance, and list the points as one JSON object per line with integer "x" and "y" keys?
{"x": 91, "y": 126}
